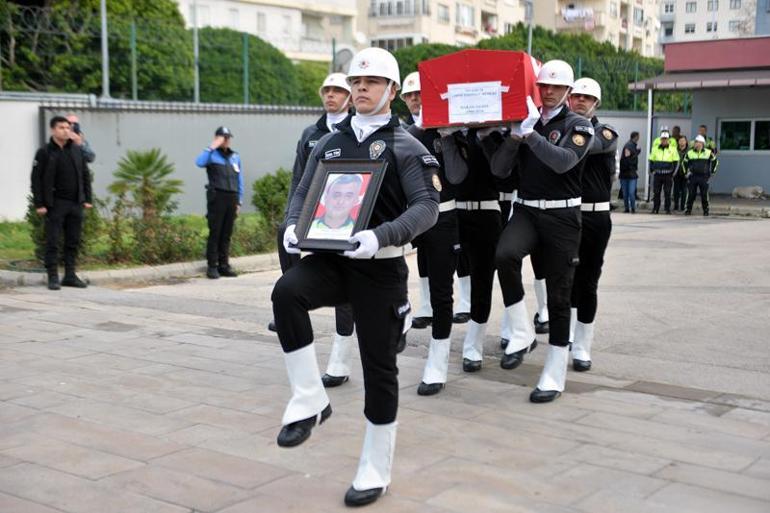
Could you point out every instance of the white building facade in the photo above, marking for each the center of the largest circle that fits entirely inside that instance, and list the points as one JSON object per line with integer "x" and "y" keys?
{"x": 697, "y": 20}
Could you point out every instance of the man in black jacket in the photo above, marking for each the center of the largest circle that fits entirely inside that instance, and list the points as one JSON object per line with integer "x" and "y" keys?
{"x": 61, "y": 188}
{"x": 629, "y": 163}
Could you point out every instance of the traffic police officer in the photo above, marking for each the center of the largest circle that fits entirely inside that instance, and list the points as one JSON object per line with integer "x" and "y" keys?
{"x": 700, "y": 164}
{"x": 224, "y": 197}
{"x": 597, "y": 176}
{"x": 547, "y": 148}
{"x": 371, "y": 278}
{"x": 663, "y": 162}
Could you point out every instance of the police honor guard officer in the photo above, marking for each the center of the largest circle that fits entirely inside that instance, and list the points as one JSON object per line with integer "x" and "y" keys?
{"x": 597, "y": 176}
{"x": 371, "y": 278}
{"x": 700, "y": 163}
{"x": 547, "y": 148}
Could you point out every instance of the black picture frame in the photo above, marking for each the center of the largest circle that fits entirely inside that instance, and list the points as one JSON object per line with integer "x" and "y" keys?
{"x": 310, "y": 233}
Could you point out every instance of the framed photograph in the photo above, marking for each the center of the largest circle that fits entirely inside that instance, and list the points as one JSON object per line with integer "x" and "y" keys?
{"x": 339, "y": 203}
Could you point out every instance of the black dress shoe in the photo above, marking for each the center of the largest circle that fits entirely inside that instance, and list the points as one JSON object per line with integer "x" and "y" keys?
{"x": 227, "y": 272}
{"x": 513, "y": 360}
{"x": 72, "y": 280}
{"x": 706, "y": 213}
{"x": 53, "y": 282}
{"x": 295, "y": 433}
{"x": 543, "y": 396}
{"x": 471, "y": 365}
{"x": 355, "y": 497}
{"x": 581, "y": 365}
{"x": 626, "y": 211}
{"x": 504, "y": 343}
{"x": 419, "y": 323}
{"x": 688, "y": 212}
{"x": 461, "y": 318}
{"x": 330, "y": 381}
{"x": 271, "y": 326}
{"x": 541, "y": 328}
{"x": 401, "y": 344}
{"x": 429, "y": 389}
{"x": 212, "y": 273}
{"x": 654, "y": 210}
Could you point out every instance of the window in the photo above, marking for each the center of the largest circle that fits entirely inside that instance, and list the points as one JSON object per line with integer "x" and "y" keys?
{"x": 712, "y": 5}
{"x": 235, "y": 22}
{"x": 509, "y": 28}
{"x": 735, "y": 25}
{"x": 691, "y": 7}
{"x": 711, "y": 26}
{"x": 398, "y": 8}
{"x": 762, "y": 135}
{"x": 261, "y": 23}
{"x": 668, "y": 30}
{"x": 735, "y": 4}
{"x": 638, "y": 16}
{"x": 466, "y": 15}
{"x": 392, "y": 45}
{"x": 614, "y": 9}
{"x": 443, "y": 13}
{"x": 668, "y": 8}
{"x": 689, "y": 28}
{"x": 286, "y": 24}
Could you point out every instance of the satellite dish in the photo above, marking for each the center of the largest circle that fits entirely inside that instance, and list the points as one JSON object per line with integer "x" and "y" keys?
{"x": 342, "y": 60}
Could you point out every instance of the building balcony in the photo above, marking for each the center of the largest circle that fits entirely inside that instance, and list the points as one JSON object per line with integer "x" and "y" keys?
{"x": 580, "y": 20}
{"x": 466, "y": 31}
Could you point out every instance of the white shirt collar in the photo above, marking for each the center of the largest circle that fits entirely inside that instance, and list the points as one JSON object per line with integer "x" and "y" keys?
{"x": 332, "y": 118}
{"x": 363, "y": 125}
{"x": 417, "y": 119}
{"x": 547, "y": 115}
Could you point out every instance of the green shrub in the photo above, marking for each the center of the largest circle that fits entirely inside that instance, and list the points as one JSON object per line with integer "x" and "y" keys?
{"x": 270, "y": 194}
{"x": 252, "y": 235}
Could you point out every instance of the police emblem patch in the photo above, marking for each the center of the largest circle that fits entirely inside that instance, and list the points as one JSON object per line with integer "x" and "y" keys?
{"x": 436, "y": 183}
{"x": 376, "y": 149}
{"x": 607, "y": 133}
{"x": 578, "y": 139}
{"x": 554, "y": 136}
{"x": 311, "y": 144}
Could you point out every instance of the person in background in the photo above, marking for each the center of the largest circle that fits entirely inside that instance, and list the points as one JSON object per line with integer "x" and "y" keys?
{"x": 79, "y": 138}
{"x": 663, "y": 162}
{"x": 629, "y": 163}
{"x": 680, "y": 181}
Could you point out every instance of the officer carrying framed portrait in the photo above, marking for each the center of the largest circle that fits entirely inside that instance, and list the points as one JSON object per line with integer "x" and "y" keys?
{"x": 339, "y": 203}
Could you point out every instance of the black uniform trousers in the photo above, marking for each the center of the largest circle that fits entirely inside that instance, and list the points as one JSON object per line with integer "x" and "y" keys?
{"x": 662, "y": 181}
{"x": 439, "y": 248}
{"x": 680, "y": 191}
{"x": 222, "y": 209}
{"x": 64, "y": 216}
{"x": 555, "y": 234}
{"x": 594, "y": 238}
{"x": 698, "y": 181}
{"x": 479, "y": 232}
{"x": 343, "y": 314}
{"x": 377, "y": 291}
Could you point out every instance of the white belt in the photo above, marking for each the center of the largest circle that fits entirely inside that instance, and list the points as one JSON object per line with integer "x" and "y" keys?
{"x": 506, "y": 196}
{"x": 447, "y": 206}
{"x": 392, "y": 251}
{"x": 595, "y": 207}
{"x": 479, "y": 205}
{"x": 549, "y": 204}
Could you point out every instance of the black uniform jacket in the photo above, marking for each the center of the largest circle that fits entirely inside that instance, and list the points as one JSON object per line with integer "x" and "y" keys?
{"x": 44, "y": 173}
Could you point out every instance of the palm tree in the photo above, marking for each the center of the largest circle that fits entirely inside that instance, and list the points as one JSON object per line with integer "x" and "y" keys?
{"x": 144, "y": 175}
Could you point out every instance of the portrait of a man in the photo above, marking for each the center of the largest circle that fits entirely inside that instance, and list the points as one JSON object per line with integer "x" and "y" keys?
{"x": 336, "y": 213}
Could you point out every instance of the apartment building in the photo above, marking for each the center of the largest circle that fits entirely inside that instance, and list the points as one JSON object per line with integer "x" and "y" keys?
{"x": 626, "y": 24}
{"x": 301, "y": 29}
{"x": 697, "y": 20}
{"x": 394, "y": 24}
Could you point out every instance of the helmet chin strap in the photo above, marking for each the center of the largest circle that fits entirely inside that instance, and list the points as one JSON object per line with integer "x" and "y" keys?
{"x": 381, "y": 103}
{"x": 345, "y": 105}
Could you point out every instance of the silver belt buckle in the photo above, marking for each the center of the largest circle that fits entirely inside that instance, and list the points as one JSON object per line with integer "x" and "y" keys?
{"x": 541, "y": 204}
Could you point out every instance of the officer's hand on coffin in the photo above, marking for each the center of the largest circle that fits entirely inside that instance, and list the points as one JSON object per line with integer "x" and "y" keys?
{"x": 367, "y": 245}
{"x": 533, "y": 115}
{"x": 290, "y": 240}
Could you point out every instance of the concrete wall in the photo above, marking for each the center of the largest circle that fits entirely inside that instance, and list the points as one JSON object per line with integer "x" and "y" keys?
{"x": 18, "y": 141}
{"x": 736, "y": 168}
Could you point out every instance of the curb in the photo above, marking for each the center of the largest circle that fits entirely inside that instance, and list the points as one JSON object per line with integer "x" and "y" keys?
{"x": 715, "y": 210}
{"x": 244, "y": 264}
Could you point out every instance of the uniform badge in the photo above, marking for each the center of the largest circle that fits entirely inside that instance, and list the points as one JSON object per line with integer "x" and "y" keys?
{"x": 332, "y": 154}
{"x": 436, "y": 183}
{"x": 554, "y": 136}
{"x": 437, "y": 145}
{"x": 607, "y": 133}
{"x": 236, "y": 168}
{"x": 578, "y": 140}
{"x": 376, "y": 149}
{"x": 311, "y": 144}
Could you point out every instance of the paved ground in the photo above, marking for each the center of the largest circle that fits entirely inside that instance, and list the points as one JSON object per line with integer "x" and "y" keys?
{"x": 168, "y": 399}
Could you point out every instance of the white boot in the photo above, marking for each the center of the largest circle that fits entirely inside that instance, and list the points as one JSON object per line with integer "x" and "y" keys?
{"x": 554, "y": 375}
{"x": 308, "y": 397}
{"x": 572, "y": 321}
{"x": 505, "y": 331}
{"x": 464, "y": 294}
{"x": 542, "y": 301}
{"x": 376, "y": 457}
{"x": 437, "y": 365}
{"x": 522, "y": 332}
{"x": 581, "y": 347}
{"x": 425, "y": 310}
{"x": 473, "y": 345}
{"x": 341, "y": 356}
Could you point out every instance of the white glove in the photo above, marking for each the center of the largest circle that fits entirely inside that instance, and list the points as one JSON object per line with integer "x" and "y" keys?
{"x": 289, "y": 238}
{"x": 367, "y": 245}
{"x": 446, "y": 132}
{"x": 527, "y": 126}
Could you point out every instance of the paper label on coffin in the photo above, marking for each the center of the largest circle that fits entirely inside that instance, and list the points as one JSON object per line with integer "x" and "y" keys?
{"x": 475, "y": 102}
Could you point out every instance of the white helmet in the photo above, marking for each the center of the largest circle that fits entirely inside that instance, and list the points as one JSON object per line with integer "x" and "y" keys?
{"x": 589, "y": 87}
{"x": 411, "y": 83}
{"x": 700, "y": 139}
{"x": 375, "y": 62}
{"x": 556, "y": 72}
{"x": 334, "y": 80}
